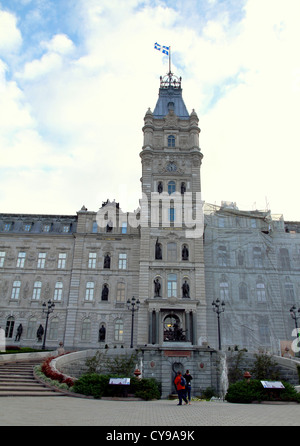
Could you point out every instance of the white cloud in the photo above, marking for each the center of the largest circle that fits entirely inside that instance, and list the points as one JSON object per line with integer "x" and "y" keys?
{"x": 10, "y": 36}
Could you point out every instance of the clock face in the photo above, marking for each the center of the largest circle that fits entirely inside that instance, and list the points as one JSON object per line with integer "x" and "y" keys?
{"x": 171, "y": 167}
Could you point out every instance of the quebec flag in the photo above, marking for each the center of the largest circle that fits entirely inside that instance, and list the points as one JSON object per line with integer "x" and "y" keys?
{"x": 163, "y": 49}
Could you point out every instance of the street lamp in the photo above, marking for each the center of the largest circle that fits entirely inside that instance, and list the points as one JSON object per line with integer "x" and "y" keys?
{"x": 50, "y": 308}
{"x": 294, "y": 316}
{"x": 132, "y": 305}
{"x": 219, "y": 307}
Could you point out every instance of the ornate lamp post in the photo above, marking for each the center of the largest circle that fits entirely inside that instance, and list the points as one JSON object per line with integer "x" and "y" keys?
{"x": 132, "y": 305}
{"x": 50, "y": 308}
{"x": 294, "y": 316}
{"x": 219, "y": 307}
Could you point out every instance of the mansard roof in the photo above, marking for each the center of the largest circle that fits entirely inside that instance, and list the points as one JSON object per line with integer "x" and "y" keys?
{"x": 170, "y": 98}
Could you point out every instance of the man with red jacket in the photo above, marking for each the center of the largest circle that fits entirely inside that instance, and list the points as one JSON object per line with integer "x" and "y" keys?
{"x": 179, "y": 382}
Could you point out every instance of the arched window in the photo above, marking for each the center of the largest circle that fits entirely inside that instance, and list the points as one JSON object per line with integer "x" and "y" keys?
{"x": 10, "y": 323}
{"x": 16, "y": 290}
{"x": 171, "y": 141}
{"x": 242, "y": 291}
{"x": 119, "y": 330}
{"x": 58, "y": 291}
{"x": 171, "y": 187}
{"x": 172, "y": 285}
{"x": 224, "y": 289}
{"x": 89, "y": 291}
{"x": 260, "y": 290}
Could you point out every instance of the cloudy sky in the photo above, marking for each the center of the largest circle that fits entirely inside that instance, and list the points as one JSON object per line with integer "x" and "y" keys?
{"x": 77, "y": 77}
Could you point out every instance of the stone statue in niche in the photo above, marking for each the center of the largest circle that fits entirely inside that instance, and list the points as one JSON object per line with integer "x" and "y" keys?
{"x": 102, "y": 332}
{"x": 160, "y": 187}
{"x": 107, "y": 261}
{"x": 19, "y": 332}
{"x": 105, "y": 291}
{"x": 158, "y": 251}
{"x": 185, "y": 290}
{"x": 157, "y": 287}
{"x": 40, "y": 332}
{"x": 185, "y": 253}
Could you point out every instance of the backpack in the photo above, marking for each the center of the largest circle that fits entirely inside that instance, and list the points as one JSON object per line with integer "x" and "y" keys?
{"x": 183, "y": 381}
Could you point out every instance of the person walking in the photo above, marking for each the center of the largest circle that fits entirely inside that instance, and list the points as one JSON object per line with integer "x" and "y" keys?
{"x": 188, "y": 378}
{"x": 180, "y": 384}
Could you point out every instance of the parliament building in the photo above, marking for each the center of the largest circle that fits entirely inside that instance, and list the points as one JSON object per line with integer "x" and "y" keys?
{"x": 181, "y": 259}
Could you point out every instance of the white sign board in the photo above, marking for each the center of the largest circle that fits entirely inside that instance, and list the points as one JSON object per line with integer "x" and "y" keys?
{"x": 120, "y": 381}
{"x": 272, "y": 384}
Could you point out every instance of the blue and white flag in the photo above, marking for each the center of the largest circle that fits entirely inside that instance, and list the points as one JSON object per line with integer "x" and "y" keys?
{"x": 163, "y": 49}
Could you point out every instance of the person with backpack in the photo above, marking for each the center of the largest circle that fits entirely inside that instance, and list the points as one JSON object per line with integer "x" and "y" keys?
{"x": 188, "y": 377}
{"x": 180, "y": 384}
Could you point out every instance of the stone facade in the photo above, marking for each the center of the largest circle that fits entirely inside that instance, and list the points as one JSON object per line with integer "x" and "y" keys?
{"x": 91, "y": 263}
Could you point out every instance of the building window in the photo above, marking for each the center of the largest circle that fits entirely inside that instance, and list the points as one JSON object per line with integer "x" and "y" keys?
{"x": 95, "y": 227}
{"x": 284, "y": 258}
{"x": 41, "y": 260}
{"x": 2, "y": 258}
{"x": 122, "y": 261}
{"x": 86, "y": 330}
{"x": 10, "y": 323}
{"x": 172, "y": 252}
{"x": 243, "y": 294}
{"x": 260, "y": 292}
{"x": 62, "y": 257}
{"x": 46, "y": 228}
{"x": 124, "y": 227}
{"x": 89, "y": 291}
{"x": 171, "y": 215}
{"x": 224, "y": 289}
{"x": 7, "y": 227}
{"x": 31, "y": 328}
{"x": 172, "y": 285}
{"x": 253, "y": 223}
{"x": 92, "y": 260}
{"x": 37, "y": 288}
{"x": 53, "y": 328}
{"x": 16, "y": 290}
{"x": 289, "y": 291}
{"x": 27, "y": 227}
{"x": 119, "y": 330}
{"x": 171, "y": 141}
{"x": 66, "y": 228}
{"x": 171, "y": 187}
{"x": 257, "y": 258}
{"x": 58, "y": 291}
{"x": 263, "y": 330}
{"x": 21, "y": 259}
{"x": 121, "y": 292}
{"x": 221, "y": 222}
{"x": 222, "y": 256}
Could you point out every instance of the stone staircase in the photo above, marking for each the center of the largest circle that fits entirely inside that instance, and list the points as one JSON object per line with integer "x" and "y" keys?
{"x": 17, "y": 379}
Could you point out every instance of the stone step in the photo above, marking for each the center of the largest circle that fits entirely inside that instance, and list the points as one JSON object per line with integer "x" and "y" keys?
{"x": 17, "y": 379}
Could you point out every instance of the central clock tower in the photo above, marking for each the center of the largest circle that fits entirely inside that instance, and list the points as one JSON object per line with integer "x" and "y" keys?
{"x": 171, "y": 287}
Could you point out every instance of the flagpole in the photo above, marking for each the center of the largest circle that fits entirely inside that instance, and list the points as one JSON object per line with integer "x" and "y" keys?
{"x": 169, "y": 59}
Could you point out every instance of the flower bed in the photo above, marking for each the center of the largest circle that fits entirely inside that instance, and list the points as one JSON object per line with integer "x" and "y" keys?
{"x": 53, "y": 374}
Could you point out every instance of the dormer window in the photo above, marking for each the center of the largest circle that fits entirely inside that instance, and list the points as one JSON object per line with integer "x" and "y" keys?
{"x": 171, "y": 141}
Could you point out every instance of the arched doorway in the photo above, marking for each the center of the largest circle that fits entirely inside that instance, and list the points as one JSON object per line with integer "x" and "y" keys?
{"x": 172, "y": 329}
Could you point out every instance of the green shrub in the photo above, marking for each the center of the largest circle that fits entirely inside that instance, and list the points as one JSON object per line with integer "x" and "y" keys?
{"x": 96, "y": 385}
{"x": 145, "y": 388}
{"x": 247, "y": 392}
{"x": 208, "y": 393}
{"x": 92, "y": 384}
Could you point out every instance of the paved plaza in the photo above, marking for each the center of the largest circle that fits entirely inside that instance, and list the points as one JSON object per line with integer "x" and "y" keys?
{"x": 69, "y": 411}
